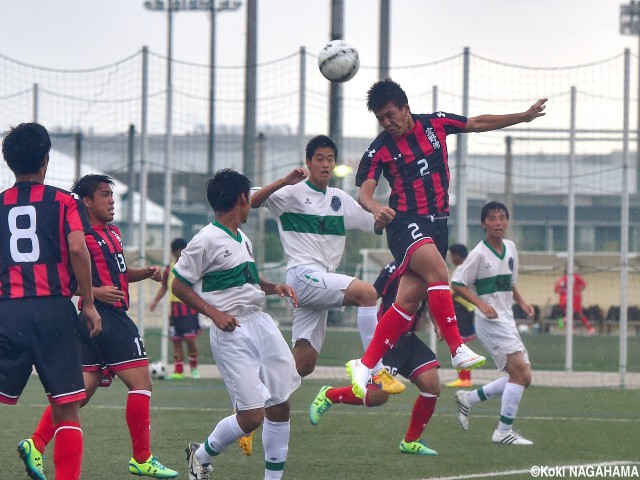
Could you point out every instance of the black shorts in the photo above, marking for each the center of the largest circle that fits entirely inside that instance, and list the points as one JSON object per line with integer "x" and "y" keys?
{"x": 466, "y": 326}
{"x": 183, "y": 322}
{"x": 118, "y": 347}
{"x": 409, "y": 357}
{"x": 407, "y": 232}
{"x": 43, "y": 332}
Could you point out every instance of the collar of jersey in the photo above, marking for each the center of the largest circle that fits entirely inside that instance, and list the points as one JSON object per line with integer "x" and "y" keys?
{"x": 500, "y": 256}
{"x": 313, "y": 187}
{"x": 237, "y": 238}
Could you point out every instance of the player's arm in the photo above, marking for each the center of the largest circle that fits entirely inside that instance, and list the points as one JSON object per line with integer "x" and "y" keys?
{"x": 526, "y": 308}
{"x": 184, "y": 292}
{"x": 281, "y": 289}
{"x": 383, "y": 215}
{"x": 259, "y": 196}
{"x": 159, "y": 294}
{"x": 485, "y": 123}
{"x": 81, "y": 264}
{"x": 154, "y": 272}
{"x": 466, "y": 293}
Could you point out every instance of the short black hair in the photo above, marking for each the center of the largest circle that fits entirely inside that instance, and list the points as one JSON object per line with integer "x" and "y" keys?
{"x": 25, "y": 147}
{"x": 493, "y": 207}
{"x": 88, "y": 185}
{"x": 459, "y": 249}
{"x": 225, "y": 189}
{"x": 319, "y": 142}
{"x": 178, "y": 244}
{"x": 385, "y": 91}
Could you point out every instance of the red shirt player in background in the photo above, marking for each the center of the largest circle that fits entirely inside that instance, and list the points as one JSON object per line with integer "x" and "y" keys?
{"x": 119, "y": 349}
{"x": 412, "y": 155}
{"x": 579, "y": 285}
{"x": 43, "y": 260}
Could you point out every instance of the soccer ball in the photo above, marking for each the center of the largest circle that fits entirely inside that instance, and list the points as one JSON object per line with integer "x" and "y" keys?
{"x": 338, "y": 61}
{"x": 158, "y": 370}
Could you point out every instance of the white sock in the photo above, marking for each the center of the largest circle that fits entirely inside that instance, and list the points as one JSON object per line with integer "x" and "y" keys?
{"x": 367, "y": 320}
{"x": 510, "y": 403}
{"x": 227, "y": 431}
{"x": 489, "y": 391}
{"x": 275, "y": 441}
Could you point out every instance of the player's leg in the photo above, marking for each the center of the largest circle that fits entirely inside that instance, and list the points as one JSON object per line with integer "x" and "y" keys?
{"x": 67, "y": 450}
{"x": 428, "y": 383}
{"x": 176, "y": 337}
{"x": 275, "y": 439}
{"x": 328, "y": 396}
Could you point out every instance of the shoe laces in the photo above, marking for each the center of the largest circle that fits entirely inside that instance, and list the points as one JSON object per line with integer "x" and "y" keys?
{"x": 322, "y": 404}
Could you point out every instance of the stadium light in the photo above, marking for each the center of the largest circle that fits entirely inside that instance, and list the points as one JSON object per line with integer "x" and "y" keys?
{"x": 213, "y": 7}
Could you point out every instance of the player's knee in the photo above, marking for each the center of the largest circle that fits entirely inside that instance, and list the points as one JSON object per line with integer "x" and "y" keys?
{"x": 305, "y": 367}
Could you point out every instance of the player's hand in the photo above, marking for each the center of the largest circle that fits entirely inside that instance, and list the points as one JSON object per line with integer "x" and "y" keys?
{"x": 108, "y": 294}
{"x": 152, "y": 306}
{"x": 536, "y": 110}
{"x": 383, "y": 217}
{"x": 225, "y": 322}
{"x": 295, "y": 176}
{"x": 94, "y": 322}
{"x": 154, "y": 272}
{"x": 488, "y": 311}
{"x": 528, "y": 310}
{"x": 286, "y": 291}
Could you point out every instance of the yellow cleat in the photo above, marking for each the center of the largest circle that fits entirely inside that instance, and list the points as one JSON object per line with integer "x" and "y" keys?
{"x": 459, "y": 383}
{"x": 246, "y": 444}
{"x": 388, "y": 383}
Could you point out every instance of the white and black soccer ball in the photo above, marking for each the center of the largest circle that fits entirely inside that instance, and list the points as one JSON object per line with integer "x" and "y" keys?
{"x": 338, "y": 61}
{"x": 158, "y": 370}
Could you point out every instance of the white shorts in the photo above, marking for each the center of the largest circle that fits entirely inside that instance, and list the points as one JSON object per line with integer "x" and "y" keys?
{"x": 255, "y": 362}
{"x": 500, "y": 339}
{"x": 318, "y": 292}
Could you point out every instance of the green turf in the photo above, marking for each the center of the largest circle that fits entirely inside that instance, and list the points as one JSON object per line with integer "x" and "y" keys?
{"x": 568, "y": 426}
{"x": 547, "y": 352}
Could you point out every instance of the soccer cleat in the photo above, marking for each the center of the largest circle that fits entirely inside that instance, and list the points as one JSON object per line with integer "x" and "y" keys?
{"x": 177, "y": 376}
{"x": 246, "y": 444}
{"x": 32, "y": 459}
{"x": 459, "y": 383}
{"x": 388, "y": 383}
{"x": 464, "y": 409}
{"x": 151, "y": 468}
{"x": 197, "y": 470}
{"x": 466, "y": 359}
{"x": 359, "y": 374}
{"x": 195, "y": 374}
{"x": 417, "y": 447}
{"x": 509, "y": 438}
{"x": 320, "y": 405}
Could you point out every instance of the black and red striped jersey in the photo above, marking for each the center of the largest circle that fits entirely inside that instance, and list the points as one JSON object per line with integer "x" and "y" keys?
{"x": 386, "y": 286}
{"x": 108, "y": 265}
{"x": 416, "y": 165}
{"x": 35, "y": 220}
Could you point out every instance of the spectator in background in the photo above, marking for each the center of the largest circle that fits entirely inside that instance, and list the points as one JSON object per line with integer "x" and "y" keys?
{"x": 464, "y": 313}
{"x": 579, "y": 285}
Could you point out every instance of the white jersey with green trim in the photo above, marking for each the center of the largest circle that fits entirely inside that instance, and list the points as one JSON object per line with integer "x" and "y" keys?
{"x": 219, "y": 266}
{"x": 491, "y": 277}
{"x": 312, "y": 223}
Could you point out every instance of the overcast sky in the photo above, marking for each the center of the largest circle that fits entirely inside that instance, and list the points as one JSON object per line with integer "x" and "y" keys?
{"x": 70, "y": 34}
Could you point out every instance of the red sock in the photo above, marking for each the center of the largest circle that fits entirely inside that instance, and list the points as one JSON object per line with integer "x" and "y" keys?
{"x": 178, "y": 366}
{"x": 464, "y": 374}
{"x": 45, "y": 431}
{"x": 67, "y": 450}
{"x": 441, "y": 307}
{"x": 344, "y": 395}
{"x": 422, "y": 410}
{"x": 393, "y": 323}
{"x": 139, "y": 423}
{"x": 193, "y": 361}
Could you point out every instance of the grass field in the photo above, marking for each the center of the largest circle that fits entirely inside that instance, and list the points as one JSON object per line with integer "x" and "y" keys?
{"x": 568, "y": 426}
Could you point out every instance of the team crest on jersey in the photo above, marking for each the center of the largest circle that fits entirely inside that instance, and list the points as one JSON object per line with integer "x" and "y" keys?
{"x": 336, "y": 203}
{"x": 227, "y": 253}
{"x": 511, "y": 263}
{"x": 249, "y": 250}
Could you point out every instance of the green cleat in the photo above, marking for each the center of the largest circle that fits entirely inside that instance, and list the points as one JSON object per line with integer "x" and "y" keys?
{"x": 151, "y": 468}
{"x": 177, "y": 376}
{"x": 418, "y": 447}
{"x": 32, "y": 459}
{"x": 195, "y": 374}
{"x": 320, "y": 405}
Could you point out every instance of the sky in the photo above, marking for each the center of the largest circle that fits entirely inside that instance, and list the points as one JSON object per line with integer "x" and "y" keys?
{"x": 79, "y": 34}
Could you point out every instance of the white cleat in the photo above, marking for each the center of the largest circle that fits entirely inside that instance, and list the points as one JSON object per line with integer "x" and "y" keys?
{"x": 509, "y": 438}
{"x": 197, "y": 470}
{"x": 359, "y": 374}
{"x": 464, "y": 409}
{"x": 466, "y": 359}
